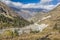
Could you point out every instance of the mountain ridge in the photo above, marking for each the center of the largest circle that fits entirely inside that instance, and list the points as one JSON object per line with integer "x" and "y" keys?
{"x": 9, "y": 18}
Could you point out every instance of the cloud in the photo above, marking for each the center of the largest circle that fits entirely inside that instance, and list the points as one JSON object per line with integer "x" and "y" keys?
{"x": 41, "y": 4}
{"x": 45, "y": 1}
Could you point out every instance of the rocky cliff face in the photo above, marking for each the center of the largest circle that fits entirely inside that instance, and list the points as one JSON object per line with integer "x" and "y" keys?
{"x": 5, "y": 9}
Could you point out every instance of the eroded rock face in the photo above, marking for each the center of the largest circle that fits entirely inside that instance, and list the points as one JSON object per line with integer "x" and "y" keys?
{"x": 5, "y": 9}
{"x": 2, "y": 10}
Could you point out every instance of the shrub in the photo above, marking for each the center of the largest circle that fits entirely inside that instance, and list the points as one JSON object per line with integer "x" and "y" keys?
{"x": 34, "y": 31}
{"x": 56, "y": 39}
{"x": 8, "y": 34}
{"x": 15, "y": 33}
{"x": 44, "y": 38}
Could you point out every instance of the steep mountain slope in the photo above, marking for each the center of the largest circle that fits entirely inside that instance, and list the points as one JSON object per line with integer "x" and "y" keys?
{"x": 8, "y": 18}
{"x": 38, "y": 16}
{"x": 52, "y": 32}
{"x": 54, "y": 24}
{"x": 55, "y": 15}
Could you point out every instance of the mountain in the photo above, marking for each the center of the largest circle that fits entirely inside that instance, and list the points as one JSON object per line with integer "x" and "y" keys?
{"x": 52, "y": 32}
{"x": 28, "y": 13}
{"x": 52, "y": 18}
{"x": 42, "y": 14}
{"x": 30, "y": 9}
{"x": 9, "y": 18}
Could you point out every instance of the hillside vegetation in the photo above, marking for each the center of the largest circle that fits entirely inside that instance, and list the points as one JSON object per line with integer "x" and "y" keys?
{"x": 9, "y": 18}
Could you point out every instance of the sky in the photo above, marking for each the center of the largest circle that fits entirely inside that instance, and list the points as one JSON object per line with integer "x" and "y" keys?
{"x": 44, "y": 4}
{"x": 26, "y": 1}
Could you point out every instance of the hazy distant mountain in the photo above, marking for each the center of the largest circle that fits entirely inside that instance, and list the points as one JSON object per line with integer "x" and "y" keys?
{"x": 30, "y": 9}
{"x": 28, "y": 13}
